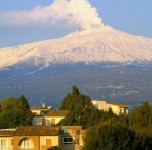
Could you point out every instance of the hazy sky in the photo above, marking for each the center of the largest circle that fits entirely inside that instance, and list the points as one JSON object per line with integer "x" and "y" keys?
{"x": 23, "y": 21}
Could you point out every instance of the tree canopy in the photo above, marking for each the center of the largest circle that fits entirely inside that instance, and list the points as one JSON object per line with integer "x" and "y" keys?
{"x": 15, "y": 112}
{"x": 106, "y": 130}
{"x": 82, "y": 111}
{"x": 109, "y": 136}
{"x": 141, "y": 117}
{"x": 118, "y": 134}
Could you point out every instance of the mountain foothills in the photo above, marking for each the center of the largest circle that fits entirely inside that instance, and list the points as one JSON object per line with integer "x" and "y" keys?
{"x": 103, "y": 62}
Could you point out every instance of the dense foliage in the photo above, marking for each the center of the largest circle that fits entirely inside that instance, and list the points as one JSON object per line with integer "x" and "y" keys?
{"x": 15, "y": 112}
{"x": 82, "y": 111}
{"x": 141, "y": 117}
{"x": 105, "y": 130}
{"x": 124, "y": 132}
{"x": 109, "y": 137}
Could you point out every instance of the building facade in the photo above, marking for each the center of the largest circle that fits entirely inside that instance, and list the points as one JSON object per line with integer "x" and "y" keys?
{"x": 6, "y": 139}
{"x": 42, "y": 138}
{"x": 49, "y": 117}
{"x": 116, "y": 107}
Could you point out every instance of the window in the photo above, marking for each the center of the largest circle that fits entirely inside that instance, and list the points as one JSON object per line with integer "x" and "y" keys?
{"x": 120, "y": 111}
{"x": 48, "y": 142}
{"x": 11, "y": 142}
{"x": 43, "y": 121}
{"x": 47, "y": 122}
{"x": 52, "y": 121}
{"x": 78, "y": 132}
{"x": 68, "y": 140}
{"x": 125, "y": 110}
{"x": 3, "y": 144}
{"x": 26, "y": 144}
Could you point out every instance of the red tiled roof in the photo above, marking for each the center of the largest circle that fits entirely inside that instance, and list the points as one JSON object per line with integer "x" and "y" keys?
{"x": 41, "y": 108}
{"x": 36, "y": 131}
{"x": 36, "y": 108}
{"x": 57, "y": 113}
{"x": 6, "y": 133}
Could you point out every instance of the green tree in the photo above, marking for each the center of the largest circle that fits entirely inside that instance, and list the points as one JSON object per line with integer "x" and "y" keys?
{"x": 115, "y": 134}
{"x": 109, "y": 136}
{"x": 141, "y": 117}
{"x": 15, "y": 112}
{"x": 142, "y": 142}
{"x": 80, "y": 107}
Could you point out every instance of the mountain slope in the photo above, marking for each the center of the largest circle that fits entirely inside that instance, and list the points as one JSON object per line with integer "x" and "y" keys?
{"x": 103, "y": 44}
{"x": 130, "y": 84}
{"x": 45, "y": 71}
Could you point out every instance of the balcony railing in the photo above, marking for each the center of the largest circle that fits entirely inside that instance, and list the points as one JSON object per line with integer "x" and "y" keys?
{"x": 25, "y": 147}
{"x": 6, "y": 147}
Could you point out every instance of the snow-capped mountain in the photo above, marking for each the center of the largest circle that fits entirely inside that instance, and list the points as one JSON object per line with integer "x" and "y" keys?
{"x": 103, "y": 44}
{"x": 61, "y": 63}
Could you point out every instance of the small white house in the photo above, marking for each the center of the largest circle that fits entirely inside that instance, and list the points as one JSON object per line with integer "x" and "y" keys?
{"x": 50, "y": 117}
{"x": 41, "y": 110}
{"x": 116, "y": 108}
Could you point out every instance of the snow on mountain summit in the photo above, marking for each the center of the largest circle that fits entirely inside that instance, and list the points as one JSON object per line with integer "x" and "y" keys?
{"x": 103, "y": 44}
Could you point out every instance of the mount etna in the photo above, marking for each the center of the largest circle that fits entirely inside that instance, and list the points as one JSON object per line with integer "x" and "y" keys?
{"x": 102, "y": 62}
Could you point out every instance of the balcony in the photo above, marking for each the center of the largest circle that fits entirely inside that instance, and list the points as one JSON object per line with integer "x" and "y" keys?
{"x": 25, "y": 148}
{"x": 6, "y": 147}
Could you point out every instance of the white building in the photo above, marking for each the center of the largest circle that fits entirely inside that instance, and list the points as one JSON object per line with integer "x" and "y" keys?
{"x": 50, "y": 117}
{"x": 41, "y": 110}
{"x": 116, "y": 108}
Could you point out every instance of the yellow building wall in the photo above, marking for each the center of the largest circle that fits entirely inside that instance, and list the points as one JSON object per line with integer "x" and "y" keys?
{"x": 38, "y": 120}
{"x": 49, "y": 118}
{"x": 115, "y": 109}
{"x": 103, "y": 105}
{"x": 55, "y": 141}
{"x": 9, "y": 142}
{"x": 119, "y": 110}
{"x": 74, "y": 132}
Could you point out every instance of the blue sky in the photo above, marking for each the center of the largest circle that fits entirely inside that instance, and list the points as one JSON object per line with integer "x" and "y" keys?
{"x": 21, "y": 22}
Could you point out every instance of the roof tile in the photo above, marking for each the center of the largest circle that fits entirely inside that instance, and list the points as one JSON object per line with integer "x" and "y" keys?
{"x": 57, "y": 113}
{"x": 37, "y": 131}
